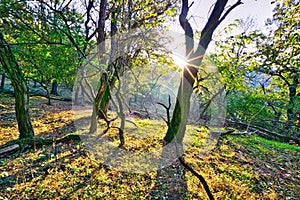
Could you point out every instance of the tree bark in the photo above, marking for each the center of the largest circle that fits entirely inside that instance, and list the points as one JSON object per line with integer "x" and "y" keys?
{"x": 14, "y": 72}
{"x": 105, "y": 101}
{"x": 76, "y": 95}
{"x": 180, "y": 114}
{"x": 45, "y": 86}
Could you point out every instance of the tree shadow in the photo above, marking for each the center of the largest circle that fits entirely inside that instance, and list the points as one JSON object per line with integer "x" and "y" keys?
{"x": 68, "y": 128}
{"x": 170, "y": 180}
{"x": 171, "y": 177}
{"x": 170, "y": 183}
{"x": 88, "y": 178}
{"x": 39, "y": 168}
{"x": 47, "y": 158}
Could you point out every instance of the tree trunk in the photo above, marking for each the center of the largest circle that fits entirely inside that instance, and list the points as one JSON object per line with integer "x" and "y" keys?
{"x": 105, "y": 101}
{"x": 291, "y": 114}
{"x": 101, "y": 101}
{"x": 101, "y": 50}
{"x": 97, "y": 101}
{"x": 180, "y": 113}
{"x": 48, "y": 96}
{"x": 54, "y": 88}
{"x": 76, "y": 95}
{"x": 111, "y": 82}
{"x": 45, "y": 86}
{"x": 107, "y": 95}
{"x": 14, "y": 72}
{"x": 2, "y": 81}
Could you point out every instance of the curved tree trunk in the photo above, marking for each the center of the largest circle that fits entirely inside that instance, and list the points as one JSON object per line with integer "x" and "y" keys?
{"x": 97, "y": 101}
{"x": 107, "y": 95}
{"x": 101, "y": 51}
{"x": 14, "y": 72}
{"x": 105, "y": 102}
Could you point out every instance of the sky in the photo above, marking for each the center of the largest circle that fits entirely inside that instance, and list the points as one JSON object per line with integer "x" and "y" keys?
{"x": 257, "y": 9}
{"x": 260, "y": 10}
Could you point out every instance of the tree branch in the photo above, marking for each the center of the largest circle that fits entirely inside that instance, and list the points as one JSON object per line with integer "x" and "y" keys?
{"x": 186, "y": 26}
{"x": 239, "y": 2}
{"x": 213, "y": 22}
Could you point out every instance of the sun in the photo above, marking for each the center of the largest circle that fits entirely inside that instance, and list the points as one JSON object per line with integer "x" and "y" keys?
{"x": 179, "y": 61}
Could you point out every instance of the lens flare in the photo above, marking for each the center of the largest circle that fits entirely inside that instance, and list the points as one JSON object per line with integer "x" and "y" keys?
{"x": 179, "y": 61}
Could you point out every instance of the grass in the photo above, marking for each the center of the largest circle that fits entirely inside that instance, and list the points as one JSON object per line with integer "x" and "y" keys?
{"x": 239, "y": 167}
{"x": 272, "y": 144}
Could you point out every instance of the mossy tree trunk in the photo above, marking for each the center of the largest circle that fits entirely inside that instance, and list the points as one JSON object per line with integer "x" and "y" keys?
{"x": 180, "y": 114}
{"x": 97, "y": 101}
{"x": 102, "y": 100}
{"x": 105, "y": 101}
{"x": 109, "y": 77}
{"x": 14, "y": 72}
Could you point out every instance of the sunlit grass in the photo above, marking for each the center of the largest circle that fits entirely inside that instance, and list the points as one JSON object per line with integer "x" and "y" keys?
{"x": 240, "y": 167}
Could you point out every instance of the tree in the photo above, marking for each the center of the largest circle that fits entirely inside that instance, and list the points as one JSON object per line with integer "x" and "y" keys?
{"x": 14, "y": 72}
{"x": 261, "y": 72}
{"x": 123, "y": 17}
{"x": 18, "y": 21}
{"x": 40, "y": 42}
{"x": 194, "y": 57}
{"x": 278, "y": 57}
{"x": 58, "y": 24}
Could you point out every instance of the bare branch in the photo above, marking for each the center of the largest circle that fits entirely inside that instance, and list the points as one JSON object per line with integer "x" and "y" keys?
{"x": 186, "y": 26}
{"x": 239, "y": 2}
{"x": 168, "y": 111}
{"x": 213, "y": 22}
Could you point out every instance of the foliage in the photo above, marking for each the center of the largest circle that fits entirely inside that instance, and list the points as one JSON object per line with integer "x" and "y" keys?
{"x": 261, "y": 70}
{"x": 40, "y": 42}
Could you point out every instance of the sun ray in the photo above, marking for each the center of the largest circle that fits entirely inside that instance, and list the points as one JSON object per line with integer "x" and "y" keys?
{"x": 180, "y": 62}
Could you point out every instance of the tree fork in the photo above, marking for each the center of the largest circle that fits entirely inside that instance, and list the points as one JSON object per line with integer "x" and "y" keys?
{"x": 182, "y": 106}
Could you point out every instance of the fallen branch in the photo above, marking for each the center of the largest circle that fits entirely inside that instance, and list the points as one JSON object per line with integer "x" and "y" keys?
{"x": 11, "y": 148}
{"x": 53, "y": 98}
{"x": 229, "y": 132}
{"x": 27, "y": 143}
{"x": 265, "y": 132}
{"x": 199, "y": 176}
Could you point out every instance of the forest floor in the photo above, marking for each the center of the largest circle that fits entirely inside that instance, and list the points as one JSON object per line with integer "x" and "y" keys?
{"x": 238, "y": 167}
